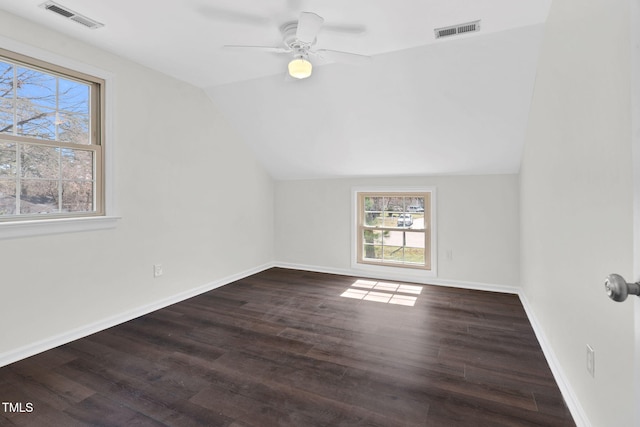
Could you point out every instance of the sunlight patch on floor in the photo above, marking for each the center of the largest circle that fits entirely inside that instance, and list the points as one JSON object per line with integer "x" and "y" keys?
{"x": 384, "y": 292}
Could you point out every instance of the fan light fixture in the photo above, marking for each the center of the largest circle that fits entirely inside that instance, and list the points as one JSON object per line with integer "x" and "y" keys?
{"x": 300, "y": 68}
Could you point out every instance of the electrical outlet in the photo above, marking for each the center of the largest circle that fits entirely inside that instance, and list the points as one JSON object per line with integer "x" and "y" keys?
{"x": 157, "y": 270}
{"x": 591, "y": 361}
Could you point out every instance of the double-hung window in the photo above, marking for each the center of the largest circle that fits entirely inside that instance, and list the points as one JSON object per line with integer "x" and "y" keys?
{"x": 394, "y": 229}
{"x": 51, "y": 134}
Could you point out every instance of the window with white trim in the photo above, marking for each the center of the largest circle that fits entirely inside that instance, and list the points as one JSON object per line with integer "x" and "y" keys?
{"x": 394, "y": 229}
{"x": 51, "y": 135}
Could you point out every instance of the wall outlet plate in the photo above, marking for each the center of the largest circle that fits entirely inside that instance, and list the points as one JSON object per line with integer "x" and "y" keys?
{"x": 591, "y": 361}
{"x": 157, "y": 270}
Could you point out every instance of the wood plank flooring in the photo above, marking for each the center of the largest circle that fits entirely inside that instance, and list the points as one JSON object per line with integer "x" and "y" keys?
{"x": 294, "y": 348}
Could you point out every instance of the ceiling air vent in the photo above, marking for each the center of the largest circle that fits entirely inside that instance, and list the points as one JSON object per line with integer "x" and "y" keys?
{"x": 453, "y": 30}
{"x": 70, "y": 14}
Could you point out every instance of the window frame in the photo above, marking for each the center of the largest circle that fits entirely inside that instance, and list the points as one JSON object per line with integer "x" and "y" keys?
{"x": 411, "y": 272}
{"x": 103, "y": 218}
{"x": 96, "y": 133}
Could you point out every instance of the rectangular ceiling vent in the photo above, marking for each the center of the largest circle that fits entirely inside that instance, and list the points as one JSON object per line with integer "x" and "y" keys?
{"x": 453, "y": 30}
{"x": 70, "y": 14}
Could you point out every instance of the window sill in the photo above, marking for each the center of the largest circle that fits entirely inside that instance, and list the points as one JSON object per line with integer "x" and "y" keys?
{"x": 12, "y": 230}
{"x": 418, "y": 275}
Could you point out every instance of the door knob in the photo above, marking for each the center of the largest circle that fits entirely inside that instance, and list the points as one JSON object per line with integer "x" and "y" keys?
{"x": 618, "y": 289}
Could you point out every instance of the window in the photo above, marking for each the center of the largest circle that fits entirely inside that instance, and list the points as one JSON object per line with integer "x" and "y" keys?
{"x": 51, "y": 134}
{"x": 394, "y": 229}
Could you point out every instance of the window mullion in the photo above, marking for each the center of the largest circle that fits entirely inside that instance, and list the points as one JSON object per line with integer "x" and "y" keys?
{"x": 59, "y": 178}
{"x": 18, "y": 176}
{"x": 94, "y": 181}
{"x": 404, "y": 245}
{"x": 14, "y": 107}
{"x": 57, "y": 110}
{"x": 57, "y": 138}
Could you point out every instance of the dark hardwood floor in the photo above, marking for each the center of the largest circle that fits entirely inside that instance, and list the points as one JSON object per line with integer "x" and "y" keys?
{"x": 294, "y": 348}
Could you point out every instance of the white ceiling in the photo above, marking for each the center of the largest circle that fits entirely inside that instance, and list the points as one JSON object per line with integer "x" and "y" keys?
{"x": 421, "y": 106}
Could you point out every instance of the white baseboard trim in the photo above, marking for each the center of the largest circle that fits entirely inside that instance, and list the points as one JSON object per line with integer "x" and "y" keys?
{"x": 427, "y": 280}
{"x": 570, "y": 398}
{"x": 74, "y": 334}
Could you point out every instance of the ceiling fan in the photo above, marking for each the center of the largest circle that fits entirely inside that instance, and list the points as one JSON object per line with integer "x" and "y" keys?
{"x": 299, "y": 38}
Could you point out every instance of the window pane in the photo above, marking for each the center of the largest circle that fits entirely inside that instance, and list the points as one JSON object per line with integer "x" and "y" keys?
{"x": 394, "y": 238}
{"x": 415, "y": 204}
{"x": 414, "y": 256}
{"x": 77, "y": 196}
{"x": 6, "y": 97}
{"x": 73, "y": 97}
{"x": 371, "y": 236}
{"x": 7, "y": 159}
{"x": 36, "y": 87}
{"x": 404, "y": 220}
{"x": 6, "y": 116}
{"x": 414, "y": 240}
{"x": 393, "y": 253}
{"x": 373, "y": 207}
{"x": 395, "y": 204}
{"x": 372, "y": 252}
{"x": 40, "y": 162}
{"x": 6, "y": 80}
{"x": 374, "y": 204}
{"x": 73, "y": 128}
{"x": 7, "y": 197}
{"x": 38, "y": 196}
{"x": 406, "y": 201}
{"x": 371, "y": 244}
{"x": 372, "y": 219}
{"x": 417, "y": 221}
{"x": 35, "y": 121}
{"x": 76, "y": 164}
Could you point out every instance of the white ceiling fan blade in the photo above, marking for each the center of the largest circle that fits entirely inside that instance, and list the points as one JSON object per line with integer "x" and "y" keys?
{"x": 345, "y": 57}
{"x": 308, "y": 26}
{"x": 258, "y": 48}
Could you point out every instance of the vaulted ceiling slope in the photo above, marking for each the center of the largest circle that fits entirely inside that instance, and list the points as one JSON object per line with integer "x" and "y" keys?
{"x": 421, "y": 106}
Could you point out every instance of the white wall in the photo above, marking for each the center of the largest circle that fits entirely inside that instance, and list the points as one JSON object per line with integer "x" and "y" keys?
{"x": 576, "y": 202}
{"x": 477, "y": 219}
{"x": 190, "y": 194}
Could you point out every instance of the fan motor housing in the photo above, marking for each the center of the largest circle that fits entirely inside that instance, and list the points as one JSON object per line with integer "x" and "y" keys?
{"x": 290, "y": 39}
